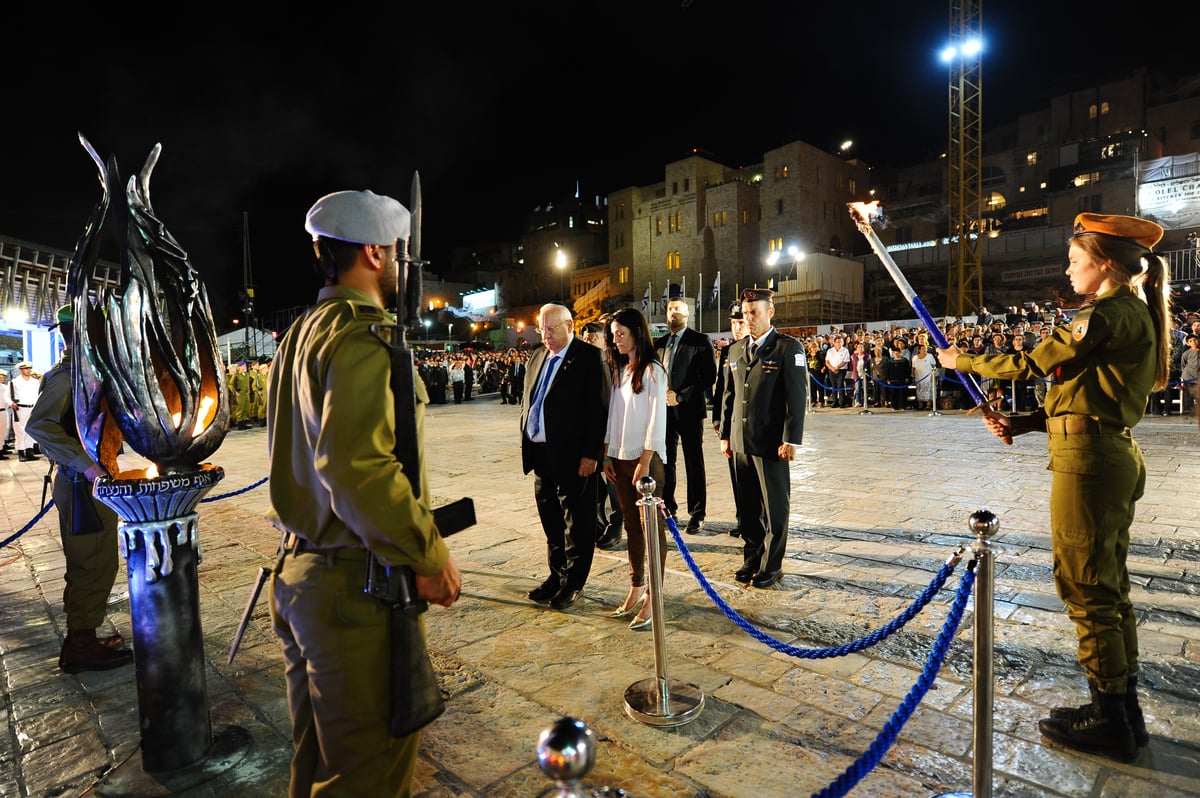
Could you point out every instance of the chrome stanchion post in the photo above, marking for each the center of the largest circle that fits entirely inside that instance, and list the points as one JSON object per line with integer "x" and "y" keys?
{"x": 657, "y": 702}
{"x": 984, "y": 525}
{"x": 933, "y": 387}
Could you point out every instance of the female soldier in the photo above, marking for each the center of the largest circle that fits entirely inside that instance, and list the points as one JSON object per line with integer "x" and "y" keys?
{"x": 1113, "y": 354}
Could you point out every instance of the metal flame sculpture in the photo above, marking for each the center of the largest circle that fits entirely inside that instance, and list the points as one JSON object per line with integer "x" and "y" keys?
{"x": 148, "y": 368}
{"x": 147, "y": 372}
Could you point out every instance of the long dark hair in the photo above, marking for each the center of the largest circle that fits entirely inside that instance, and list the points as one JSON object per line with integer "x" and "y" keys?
{"x": 643, "y": 345}
{"x": 1147, "y": 274}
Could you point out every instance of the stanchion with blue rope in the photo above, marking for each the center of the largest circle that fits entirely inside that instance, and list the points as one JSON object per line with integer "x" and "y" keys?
{"x": 658, "y": 701}
{"x": 983, "y": 524}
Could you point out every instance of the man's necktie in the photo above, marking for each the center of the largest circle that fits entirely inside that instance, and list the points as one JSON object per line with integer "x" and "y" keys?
{"x": 753, "y": 350}
{"x": 539, "y": 395}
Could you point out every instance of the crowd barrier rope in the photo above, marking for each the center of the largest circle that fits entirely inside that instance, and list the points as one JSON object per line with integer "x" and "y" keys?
{"x": 887, "y": 736}
{"x": 33, "y": 521}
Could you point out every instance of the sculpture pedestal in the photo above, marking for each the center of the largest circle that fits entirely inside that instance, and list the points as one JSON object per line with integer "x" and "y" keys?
{"x": 159, "y": 541}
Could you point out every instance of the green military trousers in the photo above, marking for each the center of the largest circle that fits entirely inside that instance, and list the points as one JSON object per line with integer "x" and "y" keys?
{"x": 336, "y": 644}
{"x": 1098, "y": 479}
{"x": 92, "y": 561}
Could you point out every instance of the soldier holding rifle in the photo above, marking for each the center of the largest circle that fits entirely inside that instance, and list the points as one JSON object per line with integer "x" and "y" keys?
{"x": 342, "y": 497}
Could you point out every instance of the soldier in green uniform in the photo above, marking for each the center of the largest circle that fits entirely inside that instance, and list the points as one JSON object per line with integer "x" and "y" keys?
{"x": 242, "y": 388}
{"x": 1105, "y": 364}
{"x": 338, "y": 493}
{"x": 89, "y": 533}
{"x": 258, "y": 380}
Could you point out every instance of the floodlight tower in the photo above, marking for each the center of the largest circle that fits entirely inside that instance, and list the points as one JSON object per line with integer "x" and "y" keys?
{"x": 964, "y": 290}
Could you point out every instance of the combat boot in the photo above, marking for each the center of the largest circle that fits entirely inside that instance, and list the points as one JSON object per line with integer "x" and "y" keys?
{"x": 81, "y": 651}
{"x": 1137, "y": 722}
{"x": 1102, "y": 727}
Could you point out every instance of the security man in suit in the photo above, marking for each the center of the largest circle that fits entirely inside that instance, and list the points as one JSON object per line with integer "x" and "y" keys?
{"x": 691, "y": 365}
{"x": 762, "y": 425}
{"x": 737, "y": 327}
{"x": 564, "y": 416}
{"x": 88, "y": 531}
{"x": 339, "y": 493}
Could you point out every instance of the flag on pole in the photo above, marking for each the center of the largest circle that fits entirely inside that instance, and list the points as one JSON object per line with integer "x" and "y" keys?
{"x": 683, "y": 287}
{"x": 664, "y": 295}
{"x": 646, "y": 298}
{"x": 716, "y": 291}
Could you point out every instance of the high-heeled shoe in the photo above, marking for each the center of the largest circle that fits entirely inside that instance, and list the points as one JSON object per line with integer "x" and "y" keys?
{"x": 625, "y": 613}
{"x": 638, "y": 624}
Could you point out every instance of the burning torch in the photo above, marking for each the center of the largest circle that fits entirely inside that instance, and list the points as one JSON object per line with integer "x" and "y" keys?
{"x": 862, "y": 213}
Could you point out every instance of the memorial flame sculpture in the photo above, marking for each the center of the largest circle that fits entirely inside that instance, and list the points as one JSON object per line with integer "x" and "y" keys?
{"x": 148, "y": 374}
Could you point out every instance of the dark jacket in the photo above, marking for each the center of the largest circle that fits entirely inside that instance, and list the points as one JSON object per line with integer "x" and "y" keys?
{"x": 575, "y": 408}
{"x": 693, "y": 369}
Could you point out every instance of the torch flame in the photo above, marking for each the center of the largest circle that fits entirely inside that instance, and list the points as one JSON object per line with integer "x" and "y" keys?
{"x": 865, "y": 212}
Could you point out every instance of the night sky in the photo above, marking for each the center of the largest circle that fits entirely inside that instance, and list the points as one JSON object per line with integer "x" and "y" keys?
{"x": 501, "y": 109}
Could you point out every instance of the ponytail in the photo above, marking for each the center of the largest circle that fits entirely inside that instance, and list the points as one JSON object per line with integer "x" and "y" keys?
{"x": 1154, "y": 286}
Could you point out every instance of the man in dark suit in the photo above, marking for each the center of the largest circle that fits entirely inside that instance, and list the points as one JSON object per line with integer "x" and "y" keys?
{"x": 691, "y": 365}
{"x": 564, "y": 416}
{"x": 762, "y": 425}
{"x": 737, "y": 328}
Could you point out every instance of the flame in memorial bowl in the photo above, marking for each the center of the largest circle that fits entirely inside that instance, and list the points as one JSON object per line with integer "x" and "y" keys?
{"x": 146, "y": 369}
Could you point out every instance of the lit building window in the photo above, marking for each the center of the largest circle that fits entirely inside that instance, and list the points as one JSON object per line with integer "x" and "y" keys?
{"x": 623, "y": 274}
{"x": 1030, "y": 158}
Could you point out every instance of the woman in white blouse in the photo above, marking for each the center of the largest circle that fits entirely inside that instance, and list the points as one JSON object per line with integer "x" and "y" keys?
{"x": 636, "y": 445}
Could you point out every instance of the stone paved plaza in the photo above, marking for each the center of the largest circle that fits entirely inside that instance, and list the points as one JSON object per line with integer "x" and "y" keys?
{"x": 879, "y": 503}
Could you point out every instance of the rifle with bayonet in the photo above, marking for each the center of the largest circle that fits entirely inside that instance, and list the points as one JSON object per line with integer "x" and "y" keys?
{"x": 416, "y": 697}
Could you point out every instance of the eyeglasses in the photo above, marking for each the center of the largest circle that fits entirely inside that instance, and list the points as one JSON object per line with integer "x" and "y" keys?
{"x": 552, "y": 327}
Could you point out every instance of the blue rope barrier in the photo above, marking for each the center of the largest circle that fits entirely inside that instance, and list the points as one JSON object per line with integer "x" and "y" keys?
{"x": 899, "y": 385}
{"x": 813, "y": 653}
{"x": 234, "y": 493}
{"x": 883, "y": 741}
{"x": 50, "y": 504}
{"x": 28, "y": 526}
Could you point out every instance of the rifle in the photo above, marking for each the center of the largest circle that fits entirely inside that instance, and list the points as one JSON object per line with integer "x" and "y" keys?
{"x": 416, "y": 696}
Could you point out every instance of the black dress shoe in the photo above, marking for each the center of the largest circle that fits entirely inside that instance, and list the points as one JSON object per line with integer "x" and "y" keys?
{"x": 611, "y": 537}
{"x": 544, "y": 593}
{"x": 766, "y": 578}
{"x": 694, "y": 525}
{"x": 744, "y": 574}
{"x": 566, "y": 598}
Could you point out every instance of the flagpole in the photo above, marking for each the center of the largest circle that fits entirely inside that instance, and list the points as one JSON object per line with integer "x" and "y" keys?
{"x": 700, "y": 304}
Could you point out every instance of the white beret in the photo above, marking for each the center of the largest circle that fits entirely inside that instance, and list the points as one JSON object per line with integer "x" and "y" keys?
{"x": 359, "y": 217}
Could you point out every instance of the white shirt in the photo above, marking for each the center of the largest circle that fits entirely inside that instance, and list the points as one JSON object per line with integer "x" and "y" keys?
{"x": 637, "y": 422}
{"x": 25, "y": 390}
{"x": 837, "y": 357}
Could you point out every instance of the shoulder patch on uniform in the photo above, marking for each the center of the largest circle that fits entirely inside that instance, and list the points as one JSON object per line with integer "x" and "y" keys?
{"x": 1079, "y": 329}
{"x": 799, "y": 358}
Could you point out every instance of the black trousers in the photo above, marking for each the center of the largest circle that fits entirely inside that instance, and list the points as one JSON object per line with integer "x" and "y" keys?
{"x": 764, "y": 499}
{"x": 689, "y": 433}
{"x": 566, "y": 505}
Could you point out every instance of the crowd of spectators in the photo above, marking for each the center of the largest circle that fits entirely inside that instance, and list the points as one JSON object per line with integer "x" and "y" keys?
{"x": 894, "y": 368}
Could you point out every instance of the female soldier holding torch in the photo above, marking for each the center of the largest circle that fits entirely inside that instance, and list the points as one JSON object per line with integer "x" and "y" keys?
{"x": 1105, "y": 365}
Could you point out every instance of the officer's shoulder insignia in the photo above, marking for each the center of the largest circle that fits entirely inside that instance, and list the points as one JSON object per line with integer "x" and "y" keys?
{"x": 1079, "y": 329}
{"x": 799, "y": 359}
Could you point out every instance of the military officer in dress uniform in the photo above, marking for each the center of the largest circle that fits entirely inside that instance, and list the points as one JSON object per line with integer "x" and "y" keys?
{"x": 88, "y": 533}
{"x": 338, "y": 493}
{"x": 762, "y": 425}
{"x": 1105, "y": 365}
